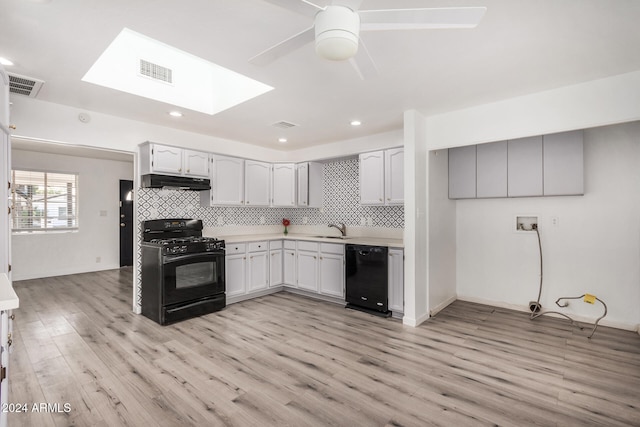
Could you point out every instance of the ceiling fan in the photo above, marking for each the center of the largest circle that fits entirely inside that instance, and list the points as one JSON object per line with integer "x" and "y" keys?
{"x": 337, "y": 26}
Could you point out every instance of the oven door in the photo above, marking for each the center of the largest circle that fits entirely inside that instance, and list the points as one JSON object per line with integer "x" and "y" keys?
{"x": 192, "y": 276}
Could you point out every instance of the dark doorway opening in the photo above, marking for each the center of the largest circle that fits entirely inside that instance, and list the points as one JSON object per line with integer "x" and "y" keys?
{"x": 126, "y": 223}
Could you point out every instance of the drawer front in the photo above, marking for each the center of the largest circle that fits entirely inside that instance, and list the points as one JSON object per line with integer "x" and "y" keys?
{"x": 289, "y": 244}
{"x": 258, "y": 246}
{"x": 332, "y": 248}
{"x": 235, "y": 248}
{"x": 275, "y": 244}
{"x": 307, "y": 246}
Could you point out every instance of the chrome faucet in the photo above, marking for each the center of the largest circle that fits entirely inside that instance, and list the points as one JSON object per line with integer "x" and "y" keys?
{"x": 341, "y": 227}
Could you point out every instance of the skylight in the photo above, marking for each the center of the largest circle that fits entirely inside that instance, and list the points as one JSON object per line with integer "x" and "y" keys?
{"x": 139, "y": 65}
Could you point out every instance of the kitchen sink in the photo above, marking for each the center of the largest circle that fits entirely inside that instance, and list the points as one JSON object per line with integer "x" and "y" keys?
{"x": 332, "y": 237}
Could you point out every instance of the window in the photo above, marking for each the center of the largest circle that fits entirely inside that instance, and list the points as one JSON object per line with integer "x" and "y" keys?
{"x": 44, "y": 201}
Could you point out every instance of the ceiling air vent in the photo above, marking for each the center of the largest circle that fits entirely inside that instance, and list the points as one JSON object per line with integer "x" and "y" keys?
{"x": 283, "y": 125}
{"x": 23, "y": 85}
{"x": 156, "y": 72}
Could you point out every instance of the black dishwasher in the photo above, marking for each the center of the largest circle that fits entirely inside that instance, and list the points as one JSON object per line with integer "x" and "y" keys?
{"x": 367, "y": 278}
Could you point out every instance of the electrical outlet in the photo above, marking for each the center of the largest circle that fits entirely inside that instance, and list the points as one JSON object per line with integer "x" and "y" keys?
{"x": 305, "y": 219}
{"x": 363, "y": 221}
{"x": 262, "y": 220}
{"x": 369, "y": 221}
{"x": 220, "y": 220}
{"x": 98, "y": 259}
{"x": 555, "y": 221}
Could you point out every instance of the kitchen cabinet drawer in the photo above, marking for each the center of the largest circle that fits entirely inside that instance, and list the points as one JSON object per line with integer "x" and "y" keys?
{"x": 332, "y": 248}
{"x": 289, "y": 244}
{"x": 235, "y": 248}
{"x": 258, "y": 246}
{"x": 307, "y": 246}
{"x": 275, "y": 244}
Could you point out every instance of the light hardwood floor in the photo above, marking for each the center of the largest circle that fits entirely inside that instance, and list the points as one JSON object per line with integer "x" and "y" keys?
{"x": 287, "y": 360}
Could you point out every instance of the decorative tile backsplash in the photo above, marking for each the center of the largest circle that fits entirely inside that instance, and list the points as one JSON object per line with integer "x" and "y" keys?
{"x": 341, "y": 203}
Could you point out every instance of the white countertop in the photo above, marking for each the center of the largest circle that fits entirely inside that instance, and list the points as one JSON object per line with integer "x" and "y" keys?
{"x": 8, "y": 298}
{"x": 356, "y": 240}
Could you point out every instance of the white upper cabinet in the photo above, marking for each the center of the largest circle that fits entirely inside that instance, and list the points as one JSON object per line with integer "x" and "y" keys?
{"x": 563, "y": 163}
{"x": 167, "y": 160}
{"x": 195, "y": 163}
{"x": 309, "y": 185}
{"x": 382, "y": 177}
{"x": 394, "y": 176}
{"x": 227, "y": 181}
{"x": 462, "y": 172}
{"x": 372, "y": 178}
{"x": 284, "y": 185}
{"x": 549, "y": 165}
{"x": 491, "y": 164}
{"x": 525, "y": 167}
{"x": 257, "y": 183}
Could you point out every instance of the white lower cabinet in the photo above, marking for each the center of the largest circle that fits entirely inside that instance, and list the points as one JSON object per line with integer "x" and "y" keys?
{"x": 313, "y": 267}
{"x": 257, "y": 266}
{"x": 275, "y": 263}
{"x": 235, "y": 269}
{"x": 332, "y": 270}
{"x": 307, "y": 266}
{"x": 396, "y": 280}
{"x": 289, "y": 264}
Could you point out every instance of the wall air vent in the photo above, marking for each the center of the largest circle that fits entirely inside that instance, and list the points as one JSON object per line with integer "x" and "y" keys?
{"x": 283, "y": 125}
{"x": 156, "y": 72}
{"x": 23, "y": 85}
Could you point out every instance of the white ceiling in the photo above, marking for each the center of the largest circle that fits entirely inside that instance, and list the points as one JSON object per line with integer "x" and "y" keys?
{"x": 520, "y": 47}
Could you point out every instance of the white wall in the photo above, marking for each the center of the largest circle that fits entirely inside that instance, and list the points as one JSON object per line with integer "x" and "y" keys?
{"x": 416, "y": 224}
{"x": 57, "y": 253}
{"x": 442, "y": 234}
{"x": 595, "y": 248}
{"x": 595, "y": 103}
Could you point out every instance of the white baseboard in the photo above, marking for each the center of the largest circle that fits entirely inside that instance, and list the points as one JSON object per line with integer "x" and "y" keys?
{"x": 62, "y": 272}
{"x": 415, "y": 322}
{"x": 577, "y": 318}
{"x": 442, "y": 305}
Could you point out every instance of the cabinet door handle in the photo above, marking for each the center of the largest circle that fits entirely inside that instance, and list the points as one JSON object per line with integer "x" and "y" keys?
{"x": 388, "y": 199}
{"x": 314, "y": 257}
{"x": 179, "y": 169}
{"x": 380, "y": 199}
{"x": 188, "y": 170}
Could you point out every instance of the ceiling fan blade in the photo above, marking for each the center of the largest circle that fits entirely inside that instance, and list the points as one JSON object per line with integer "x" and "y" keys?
{"x": 351, "y": 4}
{"x": 284, "y": 47}
{"x": 417, "y": 19}
{"x": 363, "y": 63}
{"x": 302, "y": 7}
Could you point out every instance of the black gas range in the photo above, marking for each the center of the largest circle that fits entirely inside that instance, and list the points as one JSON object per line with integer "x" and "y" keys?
{"x": 183, "y": 273}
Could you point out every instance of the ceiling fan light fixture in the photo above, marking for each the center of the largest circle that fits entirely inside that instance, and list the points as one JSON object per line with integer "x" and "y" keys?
{"x": 336, "y": 31}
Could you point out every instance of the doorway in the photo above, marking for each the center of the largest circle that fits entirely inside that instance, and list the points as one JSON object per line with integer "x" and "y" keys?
{"x": 126, "y": 222}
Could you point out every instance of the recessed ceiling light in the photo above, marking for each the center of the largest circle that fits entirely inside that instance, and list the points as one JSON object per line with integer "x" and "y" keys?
{"x": 175, "y": 113}
{"x": 282, "y": 140}
{"x": 356, "y": 122}
{"x": 5, "y": 61}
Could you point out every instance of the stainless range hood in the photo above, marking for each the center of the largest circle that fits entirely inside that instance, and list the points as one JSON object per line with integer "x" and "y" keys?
{"x": 176, "y": 182}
